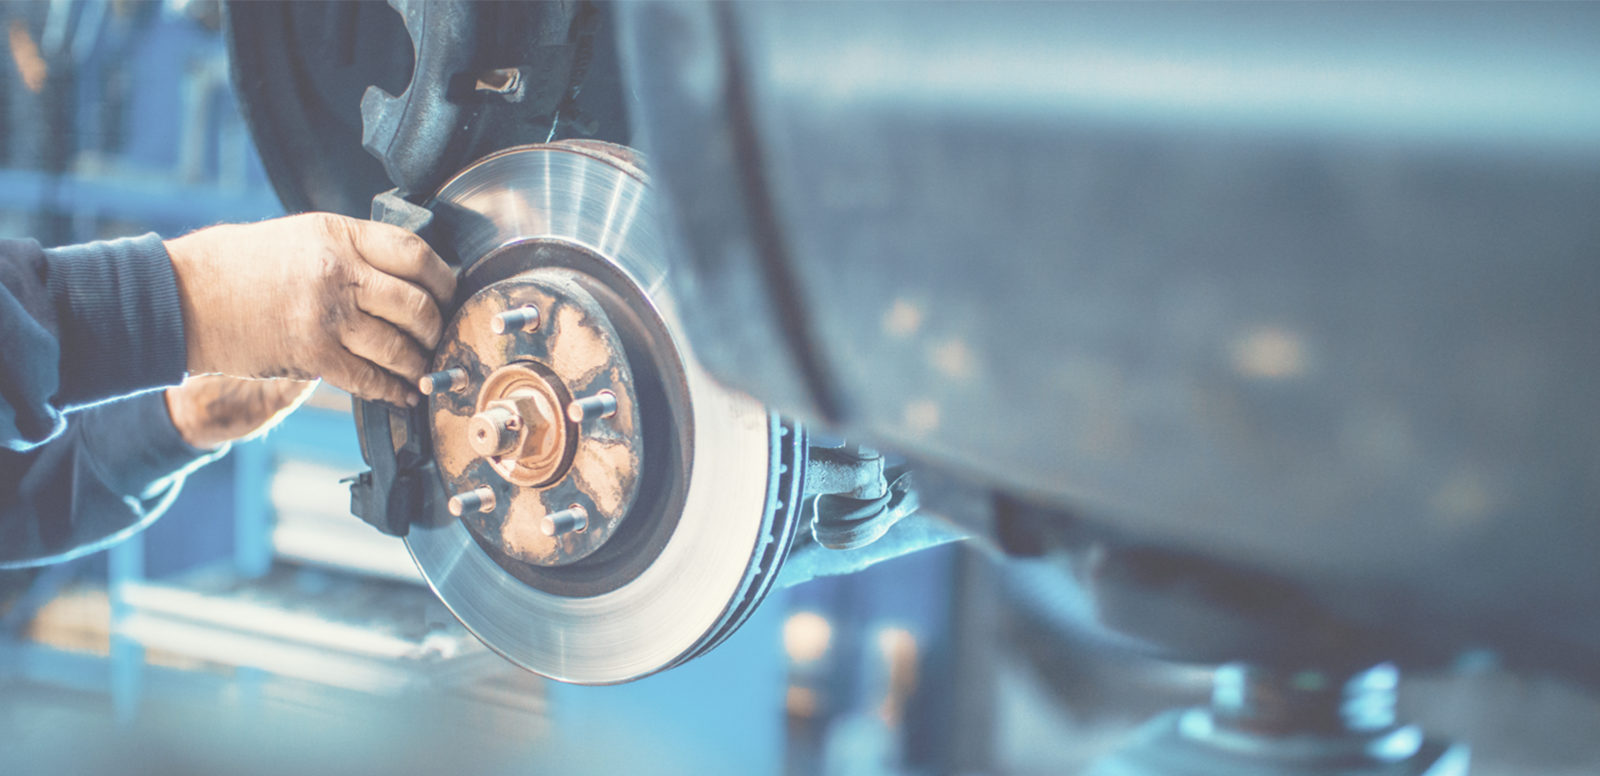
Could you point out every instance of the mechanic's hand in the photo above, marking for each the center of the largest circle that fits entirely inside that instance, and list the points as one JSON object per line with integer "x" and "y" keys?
{"x": 314, "y": 295}
{"x": 212, "y": 410}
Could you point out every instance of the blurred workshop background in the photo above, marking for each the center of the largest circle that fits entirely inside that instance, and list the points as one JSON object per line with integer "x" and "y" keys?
{"x": 259, "y": 627}
{"x": 258, "y": 594}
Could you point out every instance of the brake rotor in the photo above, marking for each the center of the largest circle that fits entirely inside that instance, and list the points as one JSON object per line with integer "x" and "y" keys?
{"x": 608, "y": 510}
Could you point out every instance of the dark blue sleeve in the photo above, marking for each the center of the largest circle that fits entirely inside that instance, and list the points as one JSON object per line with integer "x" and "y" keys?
{"x": 80, "y": 325}
{"x": 115, "y": 468}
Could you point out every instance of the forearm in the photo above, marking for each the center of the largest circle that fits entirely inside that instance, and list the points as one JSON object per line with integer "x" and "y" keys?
{"x": 115, "y": 469}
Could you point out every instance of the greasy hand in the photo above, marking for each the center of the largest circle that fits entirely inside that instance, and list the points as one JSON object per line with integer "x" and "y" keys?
{"x": 211, "y": 410}
{"x": 315, "y": 295}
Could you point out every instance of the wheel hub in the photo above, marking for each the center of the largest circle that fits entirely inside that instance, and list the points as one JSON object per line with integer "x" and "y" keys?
{"x": 523, "y": 358}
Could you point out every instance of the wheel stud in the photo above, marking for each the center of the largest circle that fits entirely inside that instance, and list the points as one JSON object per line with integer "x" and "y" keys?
{"x": 480, "y": 499}
{"x": 600, "y": 405}
{"x": 453, "y": 379}
{"x": 569, "y": 520}
{"x": 525, "y": 318}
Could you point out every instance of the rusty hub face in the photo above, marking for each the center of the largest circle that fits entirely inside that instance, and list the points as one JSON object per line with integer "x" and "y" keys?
{"x": 505, "y": 425}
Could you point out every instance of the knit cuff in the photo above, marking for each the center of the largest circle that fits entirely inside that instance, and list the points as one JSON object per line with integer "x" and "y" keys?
{"x": 121, "y": 321}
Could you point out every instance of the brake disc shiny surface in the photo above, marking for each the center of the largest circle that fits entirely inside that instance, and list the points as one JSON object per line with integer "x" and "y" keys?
{"x": 735, "y": 512}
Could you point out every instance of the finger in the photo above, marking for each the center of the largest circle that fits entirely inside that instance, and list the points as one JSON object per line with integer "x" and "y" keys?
{"x": 381, "y": 343}
{"x": 400, "y": 253}
{"x": 400, "y": 303}
{"x": 366, "y": 380}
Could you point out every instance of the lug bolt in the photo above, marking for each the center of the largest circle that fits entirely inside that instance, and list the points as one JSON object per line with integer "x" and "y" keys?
{"x": 573, "y": 518}
{"x": 600, "y": 405}
{"x": 453, "y": 379}
{"x": 481, "y": 499}
{"x": 525, "y": 318}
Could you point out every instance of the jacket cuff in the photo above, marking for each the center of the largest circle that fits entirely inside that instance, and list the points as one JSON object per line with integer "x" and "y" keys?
{"x": 135, "y": 449}
{"x": 121, "y": 320}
